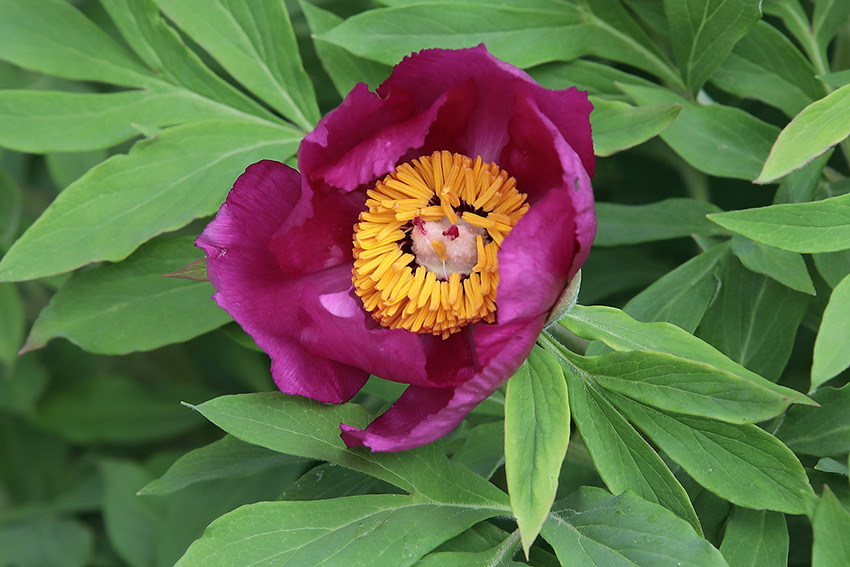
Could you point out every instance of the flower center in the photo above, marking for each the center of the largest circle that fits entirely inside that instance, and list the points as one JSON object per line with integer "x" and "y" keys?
{"x": 449, "y": 215}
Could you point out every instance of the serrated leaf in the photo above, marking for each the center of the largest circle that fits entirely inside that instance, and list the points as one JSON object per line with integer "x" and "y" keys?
{"x": 787, "y": 268}
{"x": 537, "y": 431}
{"x": 753, "y": 319}
{"x": 255, "y": 43}
{"x": 814, "y": 130}
{"x": 670, "y": 218}
{"x": 740, "y": 463}
{"x": 808, "y": 228}
{"x": 226, "y": 458}
{"x": 732, "y": 142}
{"x": 302, "y": 427}
{"x": 354, "y": 531}
{"x": 767, "y": 66}
{"x": 831, "y": 524}
{"x": 146, "y": 310}
{"x": 624, "y": 460}
{"x": 593, "y": 528}
{"x": 704, "y": 33}
{"x": 755, "y": 538}
{"x": 53, "y": 37}
{"x": 832, "y": 345}
{"x": 820, "y": 431}
{"x": 162, "y": 184}
{"x": 96, "y": 120}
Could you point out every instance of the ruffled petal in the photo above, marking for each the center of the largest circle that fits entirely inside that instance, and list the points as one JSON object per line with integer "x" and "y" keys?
{"x": 252, "y": 288}
{"x": 422, "y": 415}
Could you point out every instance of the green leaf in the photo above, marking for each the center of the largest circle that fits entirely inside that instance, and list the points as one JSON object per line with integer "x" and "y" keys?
{"x": 11, "y": 205}
{"x": 163, "y": 50}
{"x": 255, "y": 43}
{"x": 353, "y": 531}
{"x": 808, "y": 228}
{"x": 828, "y": 18}
{"x": 499, "y": 556}
{"x": 618, "y": 126}
{"x": 832, "y": 346}
{"x": 146, "y": 310}
{"x": 484, "y": 449}
{"x": 755, "y": 538}
{"x": 831, "y": 524}
{"x": 624, "y": 460}
{"x": 11, "y": 325}
{"x": 622, "y": 333}
{"x": 53, "y": 37}
{"x": 591, "y": 76}
{"x": 21, "y": 386}
{"x": 93, "y": 121}
{"x": 302, "y": 427}
{"x": 67, "y": 167}
{"x": 683, "y": 295}
{"x": 787, "y": 268}
{"x": 814, "y": 130}
{"x": 753, "y": 319}
{"x": 45, "y": 542}
{"x": 344, "y": 68}
{"x": 537, "y": 431}
{"x": 670, "y": 218}
{"x": 676, "y": 384}
{"x": 821, "y": 431}
{"x": 740, "y": 463}
{"x": 113, "y": 409}
{"x": 226, "y": 458}
{"x": 610, "y": 271}
{"x": 766, "y": 65}
{"x": 704, "y": 33}
{"x": 830, "y": 465}
{"x": 522, "y": 33}
{"x": 327, "y": 481}
{"x": 593, "y": 528}
{"x": 800, "y": 186}
{"x": 833, "y": 266}
{"x": 132, "y": 523}
{"x": 164, "y": 182}
{"x": 732, "y": 142}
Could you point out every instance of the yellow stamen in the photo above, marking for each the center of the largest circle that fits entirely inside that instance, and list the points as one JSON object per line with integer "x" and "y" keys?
{"x": 401, "y": 295}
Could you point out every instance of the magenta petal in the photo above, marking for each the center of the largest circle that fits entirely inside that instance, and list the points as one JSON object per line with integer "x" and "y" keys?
{"x": 251, "y": 287}
{"x": 422, "y": 415}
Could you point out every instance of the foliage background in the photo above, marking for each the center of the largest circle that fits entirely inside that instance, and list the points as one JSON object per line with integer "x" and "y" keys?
{"x": 133, "y": 117}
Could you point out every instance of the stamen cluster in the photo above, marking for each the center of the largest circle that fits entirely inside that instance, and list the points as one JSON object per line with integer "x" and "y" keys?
{"x": 427, "y": 189}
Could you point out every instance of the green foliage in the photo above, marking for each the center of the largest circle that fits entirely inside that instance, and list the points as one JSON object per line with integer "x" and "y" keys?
{"x": 666, "y": 425}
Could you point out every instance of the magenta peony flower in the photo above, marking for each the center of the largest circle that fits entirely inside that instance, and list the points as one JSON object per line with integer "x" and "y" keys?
{"x": 433, "y": 227}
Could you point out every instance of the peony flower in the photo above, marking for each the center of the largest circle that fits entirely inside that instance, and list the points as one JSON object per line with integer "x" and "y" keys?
{"x": 431, "y": 231}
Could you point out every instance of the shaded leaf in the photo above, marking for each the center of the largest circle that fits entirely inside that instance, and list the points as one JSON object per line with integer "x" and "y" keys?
{"x": 821, "y": 431}
{"x": 704, "y": 33}
{"x": 831, "y": 524}
{"x": 670, "y": 218}
{"x": 787, "y": 268}
{"x": 45, "y": 542}
{"x": 618, "y": 126}
{"x": 755, "y": 538}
